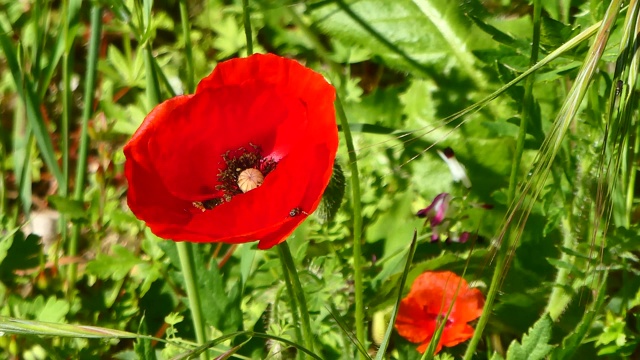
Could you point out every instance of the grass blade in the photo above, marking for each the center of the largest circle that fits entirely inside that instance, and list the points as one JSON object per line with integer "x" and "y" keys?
{"x": 403, "y": 280}
{"x": 81, "y": 169}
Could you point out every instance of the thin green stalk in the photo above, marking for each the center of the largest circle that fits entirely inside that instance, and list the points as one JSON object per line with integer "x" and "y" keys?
{"x": 66, "y": 103}
{"x": 22, "y": 149}
{"x": 630, "y": 62}
{"x": 289, "y": 264}
{"x": 39, "y": 35}
{"x": 292, "y": 299}
{"x": 162, "y": 78}
{"x": 355, "y": 185}
{"x": 486, "y": 311}
{"x": 527, "y": 106}
{"x": 63, "y": 188}
{"x": 185, "y": 253}
{"x": 89, "y": 88}
{"x": 153, "y": 85}
{"x": 186, "y": 34}
{"x": 3, "y": 191}
{"x": 394, "y": 314}
{"x": 357, "y": 226}
{"x": 247, "y": 26}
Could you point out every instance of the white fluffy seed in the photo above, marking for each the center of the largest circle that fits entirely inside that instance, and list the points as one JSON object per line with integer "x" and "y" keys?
{"x": 250, "y": 179}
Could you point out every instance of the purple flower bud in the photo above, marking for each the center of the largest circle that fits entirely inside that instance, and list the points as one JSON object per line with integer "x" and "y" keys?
{"x": 463, "y": 237}
{"x": 437, "y": 210}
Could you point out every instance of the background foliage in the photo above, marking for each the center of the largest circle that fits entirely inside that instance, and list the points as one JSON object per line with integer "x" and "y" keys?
{"x": 72, "y": 253}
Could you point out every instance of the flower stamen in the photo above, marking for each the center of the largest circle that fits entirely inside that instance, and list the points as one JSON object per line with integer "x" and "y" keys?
{"x": 244, "y": 170}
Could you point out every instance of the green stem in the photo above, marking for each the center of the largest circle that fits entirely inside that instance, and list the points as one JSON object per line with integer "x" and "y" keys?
{"x": 355, "y": 184}
{"x": 628, "y": 101}
{"x": 496, "y": 280}
{"x": 186, "y": 34}
{"x": 66, "y": 101}
{"x": 289, "y": 264}
{"x": 66, "y": 104}
{"x": 357, "y": 226}
{"x": 292, "y": 299}
{"x": 185, "y": 254}
{"x": 70, "y": 8}
{"x": 3, "y": 192}
{"x": 527, "y": 106}
{"x": 247, "y": 26}
{"x": 81, "y": 172}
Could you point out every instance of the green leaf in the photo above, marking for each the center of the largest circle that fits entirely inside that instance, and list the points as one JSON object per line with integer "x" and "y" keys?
{"x": 115, "y": 266}
{"x": 347, "y": 332}
{"x": 143, "y": 347}
{"x": 565, "y": 265}
{"x": 574, "y": 339}
{"x": 220, "y": 306}
{"x": 535, "y": 343}
{"x": 5, "y": 244}
{"x": 145, "y": 273}
{"x": 500, "y": 36}
{"x": 54, "y": 310}
{"x": 431, "y": 31}
{"x": 73, "y": 209}
{"x": 22, "y": 254}
{"x": 554, "y": 33}
{"x": 123, "y": 262}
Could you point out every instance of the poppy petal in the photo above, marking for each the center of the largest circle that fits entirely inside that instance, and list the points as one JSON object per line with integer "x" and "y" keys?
{"x": 188, "y": 150}
{"x": 301, "y": 83}
{"x": 147, "y": 197}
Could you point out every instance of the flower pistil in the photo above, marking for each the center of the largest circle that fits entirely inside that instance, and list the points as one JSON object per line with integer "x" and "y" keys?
{"x": 244, "y": 170}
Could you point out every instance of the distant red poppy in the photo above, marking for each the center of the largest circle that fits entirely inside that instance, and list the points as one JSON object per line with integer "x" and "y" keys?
{"x": 428, "y": 303}
{"x": 245, "y": 158}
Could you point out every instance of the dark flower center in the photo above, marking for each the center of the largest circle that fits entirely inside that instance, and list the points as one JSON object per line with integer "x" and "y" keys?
{"x": 438, "y": 317}
{"x": 244, "y": 170}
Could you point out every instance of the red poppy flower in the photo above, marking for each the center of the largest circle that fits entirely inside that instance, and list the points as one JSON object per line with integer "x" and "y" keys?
{"x": 245, "y": 158}
{"x": 427, "y": 305}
